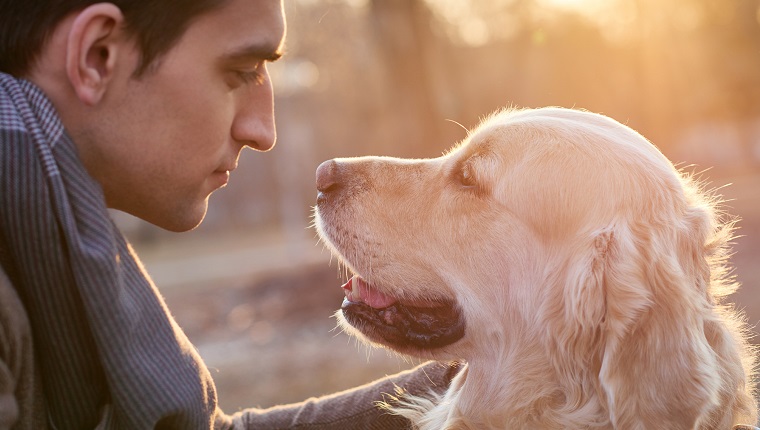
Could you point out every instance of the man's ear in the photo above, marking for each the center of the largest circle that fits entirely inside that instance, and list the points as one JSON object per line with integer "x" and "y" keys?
{"x": 95, "y": 40}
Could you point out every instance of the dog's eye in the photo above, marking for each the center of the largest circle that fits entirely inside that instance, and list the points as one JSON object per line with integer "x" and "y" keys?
{"x": 465, "y": 176}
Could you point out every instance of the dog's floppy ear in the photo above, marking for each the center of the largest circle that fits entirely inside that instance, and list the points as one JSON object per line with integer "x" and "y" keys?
{"x": 658, "y": 370}
{"x": 583, "y": 301}
{"x": 577, "y": 316}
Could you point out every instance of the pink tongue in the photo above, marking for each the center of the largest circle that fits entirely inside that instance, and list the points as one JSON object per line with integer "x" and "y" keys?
{"x": 368, "y": 295}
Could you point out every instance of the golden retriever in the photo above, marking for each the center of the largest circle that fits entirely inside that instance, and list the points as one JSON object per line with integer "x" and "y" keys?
{"x": 562, "y": 256}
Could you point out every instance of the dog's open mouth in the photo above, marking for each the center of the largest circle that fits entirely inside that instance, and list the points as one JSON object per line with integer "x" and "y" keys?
{"x": 383, "y": 318}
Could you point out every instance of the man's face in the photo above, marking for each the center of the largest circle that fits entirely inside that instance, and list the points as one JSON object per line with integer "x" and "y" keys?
{"x": 168, "y": 139}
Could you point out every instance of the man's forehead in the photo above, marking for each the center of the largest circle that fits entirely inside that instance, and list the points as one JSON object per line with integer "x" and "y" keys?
{"x": 252, "y": 28}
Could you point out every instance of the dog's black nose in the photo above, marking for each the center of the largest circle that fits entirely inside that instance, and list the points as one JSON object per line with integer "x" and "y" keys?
{"x": 327, "y": 176}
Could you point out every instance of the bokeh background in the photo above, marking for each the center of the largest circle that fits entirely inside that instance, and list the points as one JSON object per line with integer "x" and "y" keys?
{"x": 255, "y": 291}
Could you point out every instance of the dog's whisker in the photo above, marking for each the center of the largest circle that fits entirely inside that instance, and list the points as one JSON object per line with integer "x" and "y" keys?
{"x": 370, "y": 269}
{"x": 466, "y": 130}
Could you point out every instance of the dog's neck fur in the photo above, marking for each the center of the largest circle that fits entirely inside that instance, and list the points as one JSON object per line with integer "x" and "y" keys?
{"x": 517, "y": 397}
{"x": 534, "y": 387}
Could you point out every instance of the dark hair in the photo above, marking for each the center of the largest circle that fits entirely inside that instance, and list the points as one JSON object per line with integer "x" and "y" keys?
{"x": 25, "y": 26}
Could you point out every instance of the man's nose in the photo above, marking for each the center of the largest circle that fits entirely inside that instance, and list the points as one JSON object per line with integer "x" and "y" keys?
{"x": 254, "y": 125}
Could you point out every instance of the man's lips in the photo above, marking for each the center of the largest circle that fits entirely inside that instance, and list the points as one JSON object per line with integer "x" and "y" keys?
{"x": 357, "y": 290}
{"x": 219, "y": 178}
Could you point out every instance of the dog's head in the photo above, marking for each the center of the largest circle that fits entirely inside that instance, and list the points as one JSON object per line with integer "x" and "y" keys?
{"x": 557, "y": 231}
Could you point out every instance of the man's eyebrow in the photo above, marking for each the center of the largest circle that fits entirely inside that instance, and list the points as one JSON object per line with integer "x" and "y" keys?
{"x": 255, "y": 52}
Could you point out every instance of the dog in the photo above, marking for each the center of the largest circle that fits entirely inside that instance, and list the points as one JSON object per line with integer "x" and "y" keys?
{"x": 561, "y": 256}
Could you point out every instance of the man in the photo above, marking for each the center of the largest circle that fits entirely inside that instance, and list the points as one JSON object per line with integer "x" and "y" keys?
{"x": 143, "y": 107}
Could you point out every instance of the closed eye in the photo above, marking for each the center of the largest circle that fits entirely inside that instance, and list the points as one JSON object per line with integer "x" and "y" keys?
{"x": 246, "y": 73}
{"x": 247, "y": 64}
{"x": 251, "y": 76}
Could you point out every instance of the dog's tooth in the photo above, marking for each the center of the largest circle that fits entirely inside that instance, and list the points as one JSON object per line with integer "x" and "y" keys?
{"x": 352, "y": 294}
{"x": 355, "y": 296}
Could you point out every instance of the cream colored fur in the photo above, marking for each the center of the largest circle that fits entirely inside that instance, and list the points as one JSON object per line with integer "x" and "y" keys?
{"x": 591, "y": 275}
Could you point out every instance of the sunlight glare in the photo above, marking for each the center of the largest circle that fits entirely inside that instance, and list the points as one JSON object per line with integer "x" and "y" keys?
{"x": 577, "y": 5}
{"x": 595, "y": 9}
{"x": 615, "y": 18}
{"x": 474, "y": 32}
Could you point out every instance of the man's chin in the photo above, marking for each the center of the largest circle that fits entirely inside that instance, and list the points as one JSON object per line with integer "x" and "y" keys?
{"x": 172, "y": 219}
{"x": 187, "y": 221}
{"x": 180, "y": 227}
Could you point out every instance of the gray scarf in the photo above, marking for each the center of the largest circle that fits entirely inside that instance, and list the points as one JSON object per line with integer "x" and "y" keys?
{"x": 107, "y": 348}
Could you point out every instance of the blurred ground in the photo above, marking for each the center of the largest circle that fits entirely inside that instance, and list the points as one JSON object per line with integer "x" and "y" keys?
{"x": 259, "y": 307}
{"x": 259, "y": 310}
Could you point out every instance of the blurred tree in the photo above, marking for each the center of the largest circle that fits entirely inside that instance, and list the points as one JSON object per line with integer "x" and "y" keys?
{"x": 408, "y": 51}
